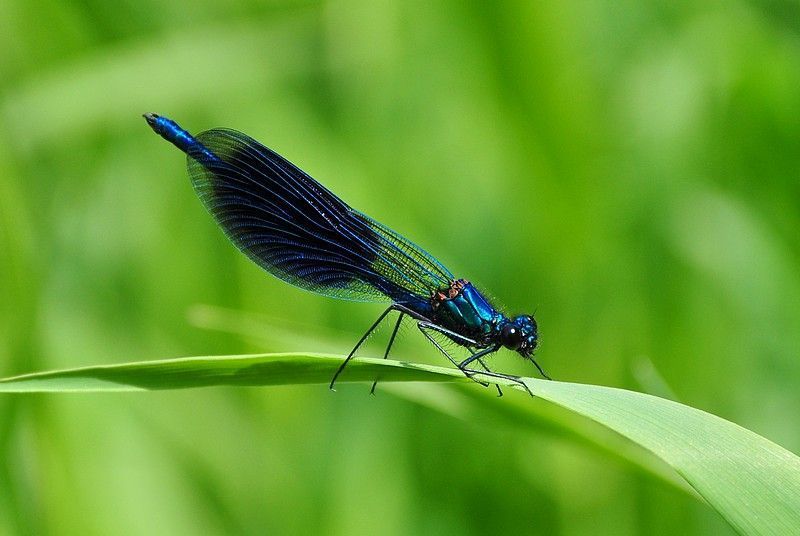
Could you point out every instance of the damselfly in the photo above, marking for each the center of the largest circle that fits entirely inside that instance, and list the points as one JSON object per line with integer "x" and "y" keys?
{"x": 296, "y": 229}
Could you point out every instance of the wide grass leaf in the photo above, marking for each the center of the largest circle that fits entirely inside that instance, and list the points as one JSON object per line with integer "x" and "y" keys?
{"x": 753, "y": 483}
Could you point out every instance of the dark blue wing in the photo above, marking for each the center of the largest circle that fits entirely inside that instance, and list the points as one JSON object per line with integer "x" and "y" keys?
{"x": 296, "y": 229}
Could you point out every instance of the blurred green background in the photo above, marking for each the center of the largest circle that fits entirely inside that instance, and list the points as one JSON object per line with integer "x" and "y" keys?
{"x": 629, "y": 170}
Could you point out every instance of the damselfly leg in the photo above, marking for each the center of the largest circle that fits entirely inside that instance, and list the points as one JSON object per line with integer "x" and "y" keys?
{"x": 425, "y": 326}
{"x": 389, "y": 347}
{"x": 486, "y": 351}
{"x": 359, "y": 343}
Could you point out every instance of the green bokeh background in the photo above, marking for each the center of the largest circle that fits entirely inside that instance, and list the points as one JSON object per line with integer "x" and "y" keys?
{"x": 629, "y": 170}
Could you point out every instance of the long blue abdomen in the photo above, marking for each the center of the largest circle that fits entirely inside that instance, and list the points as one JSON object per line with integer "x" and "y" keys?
{"x": 173, "y": 133}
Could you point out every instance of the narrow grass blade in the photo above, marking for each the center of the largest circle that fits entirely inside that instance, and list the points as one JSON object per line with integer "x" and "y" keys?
{"x": 753, "y": 483}
{"x": 241, "y": 370}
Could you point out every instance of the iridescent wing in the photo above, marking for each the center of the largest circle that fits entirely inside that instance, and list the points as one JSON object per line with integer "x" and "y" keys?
{"x": 299, "y": 231}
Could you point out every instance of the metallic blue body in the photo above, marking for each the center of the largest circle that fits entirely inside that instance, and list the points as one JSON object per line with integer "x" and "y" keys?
{"x": 469, "y": 314}
{"x": 173, "y": 133}
{"x": 299, "y": 231}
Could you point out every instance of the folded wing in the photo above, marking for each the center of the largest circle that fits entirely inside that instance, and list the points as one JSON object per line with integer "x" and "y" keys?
{"x": 299, "y": 231}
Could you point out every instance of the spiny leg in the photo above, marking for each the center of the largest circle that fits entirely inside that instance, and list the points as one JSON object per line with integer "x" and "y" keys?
{"x": 423, "y": 327}
{"x": 469, "y": 373}
{"x": 460, "y": 339}
{"x": 464, "y": 341}
{"x": 539, "y": 368}
{"x": 487, "y": 369}
{"x": 515, "y": 379}
{"x": 477, "y": 357}
{"x": 358, "y": 344}
{"x": 389, "y": 347}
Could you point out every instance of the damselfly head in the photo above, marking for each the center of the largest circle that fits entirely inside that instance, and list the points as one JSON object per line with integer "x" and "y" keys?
{"x": 520, "y": 334}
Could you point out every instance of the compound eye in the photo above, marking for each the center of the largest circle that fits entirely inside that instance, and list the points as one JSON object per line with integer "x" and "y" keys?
{"x": 511, "y": 336}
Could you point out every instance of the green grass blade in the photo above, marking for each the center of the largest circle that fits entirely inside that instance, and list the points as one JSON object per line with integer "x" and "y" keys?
{"x": 753, "y": 483}
{"x": 483, "y": 407}
{"x": 242, "y": 370}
